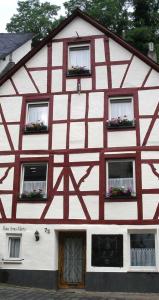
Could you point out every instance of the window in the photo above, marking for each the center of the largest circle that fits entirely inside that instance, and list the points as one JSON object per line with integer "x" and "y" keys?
{"x": 142, "y": 249}
{"x": 121, "y": 178}
{"x": 121, "y": 112}
{"x": 107, "y": 250}
{"x": 37, "y": 117}
{"x": 14, "y": 246}
{"x": 34, "y": 181}
{"x": 79, "y": 60}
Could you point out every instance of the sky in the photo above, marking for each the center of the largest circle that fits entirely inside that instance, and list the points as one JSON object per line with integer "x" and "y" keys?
{"x": 8, "y": 8}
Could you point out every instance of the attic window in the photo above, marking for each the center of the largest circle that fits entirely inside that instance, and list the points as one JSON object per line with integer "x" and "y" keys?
{"x": 79, "y": 59}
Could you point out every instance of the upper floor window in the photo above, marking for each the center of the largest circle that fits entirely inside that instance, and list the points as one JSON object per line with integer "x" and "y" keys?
{"x": 37, "y": 117}
{"x": 14, "y": 246}
{"x": 142, "y": 249}
{"x": 121, "y": 178}
{"x": 79, "y": 59}
{"x": 34, "y": 181}
{"x": 121, "y": 112}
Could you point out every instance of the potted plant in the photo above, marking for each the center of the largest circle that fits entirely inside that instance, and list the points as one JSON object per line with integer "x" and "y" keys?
{"x": 35, "y": 194}
{"x": 78, "y": 70}
{"x": 120, "y": 122}
{"x": 120, "y": 192}
{"x": 35, "y": 127}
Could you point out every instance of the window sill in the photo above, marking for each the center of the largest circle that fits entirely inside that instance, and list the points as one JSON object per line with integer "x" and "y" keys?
{"x": 143, "y": 269}
{"x": 120, "y": 198}
{"x": 78, "y": 75}
{"x": 32, "y": 200}
{"x": 12, "y": 260}
{"x": 35, "y": 131}
{"x": 120, "y": 128}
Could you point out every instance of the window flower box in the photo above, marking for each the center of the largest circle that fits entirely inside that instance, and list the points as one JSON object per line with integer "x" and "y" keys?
{"x": 35, "y": 127}
{"x": 77, "y": 70}
{"x": 120, "y": 193}
{"x": 34, "y": 195}
{"x": 120, "y": 123}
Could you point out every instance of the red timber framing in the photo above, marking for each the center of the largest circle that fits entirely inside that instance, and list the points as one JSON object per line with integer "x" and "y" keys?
{"x": 105, "y": 152}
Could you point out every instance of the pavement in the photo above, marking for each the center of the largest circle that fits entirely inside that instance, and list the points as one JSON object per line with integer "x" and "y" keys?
{"x": 10, "y": 292}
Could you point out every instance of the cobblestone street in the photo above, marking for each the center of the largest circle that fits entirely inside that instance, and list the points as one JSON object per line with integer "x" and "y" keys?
{"x": 8, "y": 292}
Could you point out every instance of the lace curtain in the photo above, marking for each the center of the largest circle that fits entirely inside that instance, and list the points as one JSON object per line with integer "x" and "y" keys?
{"x": 121, "y": 109}
{"x": 121, "y": 182}
{"x": 38, "y": 114}
{"x": 80, "y": 57}
{"x": 30, "y": 186}
{"x": 143, "y": 257}
{"x": 14, "y": 246}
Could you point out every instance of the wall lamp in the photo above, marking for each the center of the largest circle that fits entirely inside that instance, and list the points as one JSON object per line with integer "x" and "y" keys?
{"x": 37, "y": 236}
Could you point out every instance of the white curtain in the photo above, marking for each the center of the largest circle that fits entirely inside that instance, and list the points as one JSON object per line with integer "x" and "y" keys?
{"x": 38, "y": 114}
{"x": 121, "y": 182}
{"x": 14, "y": 246}
{"x": 143, "y": 257}
{"x": 79, "y": 57}
{"x": 121, "y": 109}
{"x": 30, "y": 186}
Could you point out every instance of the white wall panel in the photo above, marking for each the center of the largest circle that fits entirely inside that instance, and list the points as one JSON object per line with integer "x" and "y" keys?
{"x": 78, "y": 173}
{"x": 95, "y": 134}
{"x": 96, "y": 105}
{"x": 101, "y": 77}
{"x": 121, "y": 138}
{"x": 7, "y": 204}
{"x": 150, "y": 203}
{"x": 86, "y": 84}
{"x": 149, "y": 180}
{"x": 153, "y": 139}
{"x": 14, "y": 133}
{"x": 120, "y": 211}
{"x": 99, "y": 50}
{"x": 35, "y": 142}
{"x": 84, "y": 157}
{"x": 4, "y": 144}
{"x": 153, "y": 79}
{"x": 39, "y": 59}
{"x": 78, "y": 106}
{"x": 56, "y": 81}
{"x": 81, "y": 26}
{"x": 56, "y": 208}
{"x": 75, "y": 208}
{"x": 150, "y": 155}
{"x": 57, "y": 54}
{"x": 77, "y": 135}
{"x": 7, "y": 88}
{"x": 23, "y": 82}
{"x": 11, "y": 108}
{"x": 71, "y": 84}
{"x": 40, "y": 78}
{"x": 136, "y": 73}
{"x": 7, "y": 183}
{"x": 118, "y": 52}
{"x": 148, "y": 101}
{"x": 60, "y": 107}
{"x": 144, "y": 125}
{"x": 92, "y": 204}
{"x": 91, "y": 183}
{"x": 117, "y": 73}
{"x": 29, "y": 211}
{"x": 56, "y": 173}
{"x": 59, "y": 136}
{"x": 7, "y": 158}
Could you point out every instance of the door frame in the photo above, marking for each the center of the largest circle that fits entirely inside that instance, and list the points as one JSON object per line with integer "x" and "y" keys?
{"x": 62, "y": 235}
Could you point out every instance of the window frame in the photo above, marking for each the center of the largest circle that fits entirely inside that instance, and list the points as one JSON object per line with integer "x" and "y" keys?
{"x": 121, "y": 99}
{"x": 78, "y": 45}
{"x": 107, "y": 161}
{"x": 12, "y": 236}
{"x": 22, "y": 180}
{"x": 142, "y": 268}
{"x": 36, "y": 103}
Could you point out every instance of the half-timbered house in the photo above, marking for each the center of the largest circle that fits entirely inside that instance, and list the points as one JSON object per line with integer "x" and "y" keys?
{"x": 79, "y": 163}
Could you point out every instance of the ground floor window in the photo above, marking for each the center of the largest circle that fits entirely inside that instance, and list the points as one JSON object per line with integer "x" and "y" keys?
{"x": 14, "y": 246}
{"x": 107, "y": 250}
{"x": 142, "y": 249}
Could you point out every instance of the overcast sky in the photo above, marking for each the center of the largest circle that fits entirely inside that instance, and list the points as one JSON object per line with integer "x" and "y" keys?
{"x": 8, "y": 8}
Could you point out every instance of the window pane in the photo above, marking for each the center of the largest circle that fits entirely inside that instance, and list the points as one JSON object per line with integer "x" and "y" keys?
{"x": 107, "y": 250}
{"x": 34, "y": 178}
{"x": 142, "y": 249}
{"x": 38, "y": 113}
{"x": 79, "y": 57}
{"x": 14, "y": 247}
{"x": 121, "y": 108}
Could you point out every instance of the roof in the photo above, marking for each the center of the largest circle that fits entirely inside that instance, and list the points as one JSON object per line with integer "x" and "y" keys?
{"x": 11, "y": 41}
{"x": 86, "y": 17}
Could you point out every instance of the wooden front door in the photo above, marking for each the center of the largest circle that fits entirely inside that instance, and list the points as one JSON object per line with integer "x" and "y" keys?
{"x": 71, "y": 259}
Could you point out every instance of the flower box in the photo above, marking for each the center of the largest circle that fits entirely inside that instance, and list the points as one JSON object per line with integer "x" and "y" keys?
{"x": 120, "y": 123}
{"x": 35, "y": 127}
{"x": 120, "y": 193}
{"x": 34, "y": 195}
{"x": 78, "y": 71}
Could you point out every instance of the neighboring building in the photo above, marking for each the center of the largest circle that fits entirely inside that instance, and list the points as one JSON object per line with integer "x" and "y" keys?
{"x": 79, "y": 187}
{"x": 13, "y": 46}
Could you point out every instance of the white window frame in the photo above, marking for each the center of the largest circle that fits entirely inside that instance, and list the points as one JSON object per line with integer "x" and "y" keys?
{"x": 22, "y": 174}
{"x": 78, "y": 46}
{"x": 120, "y": 160}
{"x": 38, "y": 103}
{"x": 121, "y": 99}
{"x": 9, "y": 258}
{"x": 142, "y": 268}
